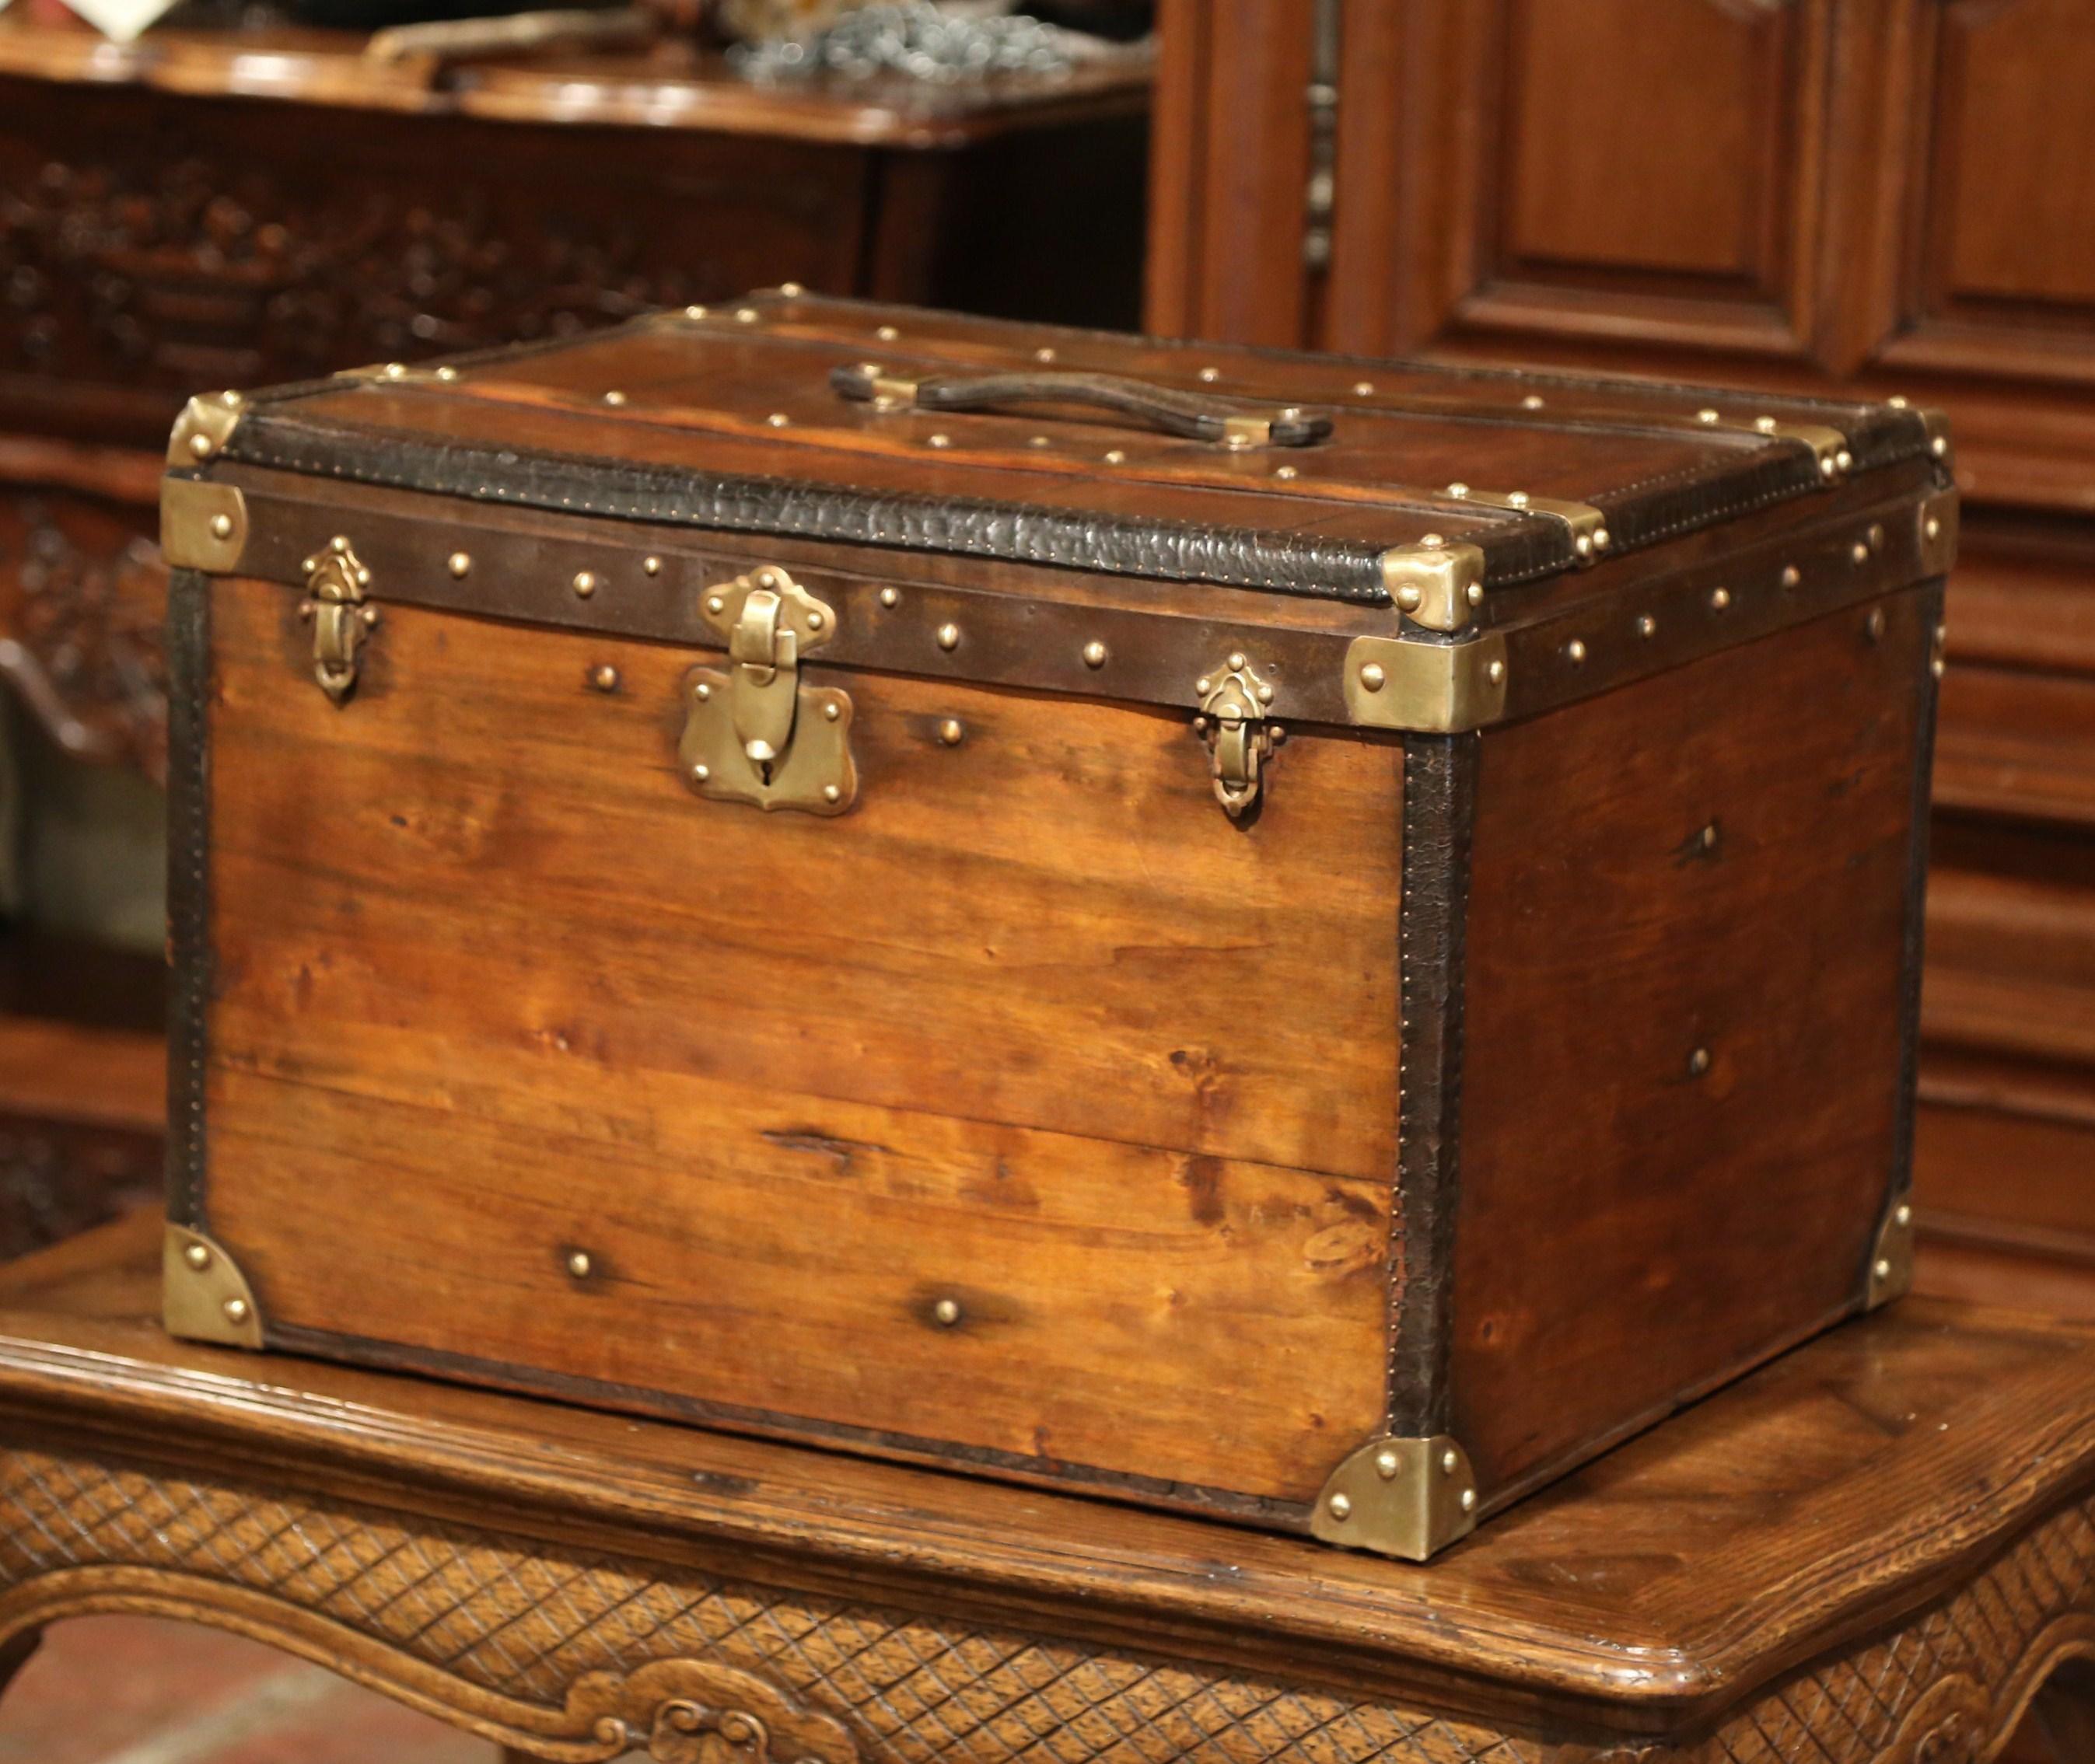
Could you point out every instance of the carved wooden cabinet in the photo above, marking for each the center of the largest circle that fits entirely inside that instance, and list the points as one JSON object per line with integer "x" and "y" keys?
{"x": 1893, "y": 196}
{"x": 202, "y": 210}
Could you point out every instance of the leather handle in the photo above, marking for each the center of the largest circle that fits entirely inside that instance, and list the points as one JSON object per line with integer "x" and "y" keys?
{"x": 1197, "y": 416}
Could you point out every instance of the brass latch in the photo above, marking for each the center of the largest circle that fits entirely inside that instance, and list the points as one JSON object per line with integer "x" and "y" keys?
{"x": 754, "y": 733}
{"x": 1240, "y": 740}
{"x": 336, "y": 608}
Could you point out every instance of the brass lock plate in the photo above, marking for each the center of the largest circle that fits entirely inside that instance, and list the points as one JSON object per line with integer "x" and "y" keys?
{"x": 753, "y": 732}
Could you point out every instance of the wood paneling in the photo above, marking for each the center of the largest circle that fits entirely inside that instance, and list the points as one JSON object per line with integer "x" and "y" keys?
{"x": 1033, "y": 1024}
{"x": 1632, "y": 1218}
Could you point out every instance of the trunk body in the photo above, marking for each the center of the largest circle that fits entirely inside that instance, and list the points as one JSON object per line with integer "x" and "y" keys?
{"x": 806, "y": 873}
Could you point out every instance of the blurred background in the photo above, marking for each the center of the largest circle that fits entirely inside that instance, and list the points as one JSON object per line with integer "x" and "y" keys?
{"x": 1872, "y": 197}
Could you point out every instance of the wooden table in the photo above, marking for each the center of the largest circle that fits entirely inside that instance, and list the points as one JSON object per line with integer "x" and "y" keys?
{"x": 1875, "y": 1552}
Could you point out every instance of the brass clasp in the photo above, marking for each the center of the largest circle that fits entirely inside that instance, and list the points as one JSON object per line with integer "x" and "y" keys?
{"x": 1240, "y": 740}
{"x": 754, "y": 733}
{"x": 336, "y": 605}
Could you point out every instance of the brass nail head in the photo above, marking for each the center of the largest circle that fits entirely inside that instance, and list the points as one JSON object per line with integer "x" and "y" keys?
{"x": 650, "y": 566}
{"x": 614, "y": 398}
{"x": 1496, "y": 672}
{"x": 1387, "y": 1463}
{"x": 1469, "y": 1500}
{"x": 947, "y": 1312}
{"x": 1903, "y": 1215}
{"x": 831, "y": 792}
{"x": 701, "y": 773}
{"x": 715, "y": 603}
{"x": 1364, "y": 388}
{"x": 1448, "y": 1460}
{"x": 1340, "y": 1504}
{"x": 951, "y": 732}
{"x": 585, "y": 583}
{"x": 1791, "y": 576}
{"x": 197, "y": 1256}
{"x": 1211, "y": 375}
{"x": 1874, "y": 625}
{"x": 1575, "y": 652}
{"x": 1719, "y": 598}
{"x": 1532, "y": 402}
{"x": 891, "y": 597}
{"x": 1372, "y": 676}
{"x": 221, "y": 526}
{"x": 1043, "y": 353}
{"x": 1883, "y": 1269}
{"x": 949, "y": 636}
{"x": 1646, "y": 626}
{"x": 1095, "y": 653}
{"x": 1410, "y": 597}
{"x": 579, "y": 1264}
{"x": 832, "y": 712}
{"x": 604, "y": 677}
{"x": 888, "y": 333}
{"x": 778, "y": 419}
{"x": 1698, "y": 1062}
{"x": 200, "y": 445}
{"x": 458, "y": 563}
{"x": 235, "y": 1310}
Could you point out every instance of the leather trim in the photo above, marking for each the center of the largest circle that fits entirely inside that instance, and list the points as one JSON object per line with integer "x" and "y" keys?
{"x": 189, "y": 887}
{"x": 1440, "y": 815}
{"x": 571, "y": 483}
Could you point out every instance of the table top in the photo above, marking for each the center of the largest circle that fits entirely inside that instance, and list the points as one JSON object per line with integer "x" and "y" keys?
{"x": 1852, "y": 1480}
{"x": 672, "y": 85}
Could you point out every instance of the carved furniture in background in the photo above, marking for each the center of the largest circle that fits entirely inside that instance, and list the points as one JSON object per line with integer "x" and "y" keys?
{"x": 200, "y": 210}
{"x": 1887, "y": 197}
{"x": 1876, "y": 1551}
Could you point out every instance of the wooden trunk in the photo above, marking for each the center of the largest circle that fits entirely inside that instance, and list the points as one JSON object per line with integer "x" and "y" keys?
{"x": 1240, "y": 974}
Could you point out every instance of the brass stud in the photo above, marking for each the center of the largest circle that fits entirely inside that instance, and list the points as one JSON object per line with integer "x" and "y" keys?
{"x": 1495, "y": 673}
{"x": 701, "y": 773}
{"x": 1707, "y": 838}
{"x": 1448, "y": 1461}
{"x": 694, "y": 312}
{"x": 1410, "y": 597}
{"x": 1432, "y": 541}
{"x": 1283, "y": 471}
{"x": 1844, "y": 460}
{"x": 1903, "y": 1214}
{"x": 891, "y": 597}
{"x": 459, "y": 563}
{"x": 395, "y": 371}
{"x": 1372, "y": 676}
{"x": 949, "y": 636}
{"x": 585, "y": 583}
{"x": 1236, "y": 659}
{"x": 1875, "y": 535}
{"x": 232, "y": 401}
{"x": 1202, "y": 685}
{"x": 1532, "y": 402}
{"x": 832, "y": 793}
{"x": 1475, "y": 593}
{"x": 1458, "y": 491}
{"x": 1698, "y": 1062}
{"x": 1039, "y": 441}
{"x": 650, "y": 566}
{"x": 1874, "y": 625}
{"x": 1828, "y": 470}
{"x": 1932, "y": 528}
{"x": 614, "y": 398}
{"x": 197, "y": 1256}
{"x": 579, "y": 1264}
{"x": 778, "y": 419}
{"x": 816, "y": 621}
{"x": 1518, "y": 499}
{"x": 1896, "y": 401}
{"x": 1115, "y": 457}
{"x": 715, "y": 603}
{"x": 1646, "y": 626}
{"x": 832, "y": 712}
{"x": 1340, "y": 1504}
{"x": 947, "y": 1312}
{"x": 1706, "y": 416}
{"x": 1387, "y": 1463}
{"x": 1882, "y": 1269}
{"x": 1043, "y": 353}
{"x": 951, "y": 732}
{"x": 745, "y": 315}
{"x": 221, "y": 526}
{"x": 1095, "y": 653}
{"x": 791, "y": 290}
{"x": 200, "y": 444}
{"x": 1940, "y": 446}
{"x": 888, "y": 333}
{"x": 1211, "y": 375}
{"x": 1765, "y": 424}
{"x": 1937, "y": 666}
{"x": 235, "y": 1310}
{"x": 1602, "y": 539}
{"x": 1575, "y": 652}
{"x": 1859, "y": 553}
{"x": 1791, "y": 576}
{"x": 939, "y": 440}
{"x": 1469, "y": 1500}
{"x": 1720, "y": 599}
{"x": 604, "y": 677}
{"x": 702, "y": 692}
{"x": 1584, "y": 545}
{"x": 1364, "y": 388}
{"x": 1264, "y": 695}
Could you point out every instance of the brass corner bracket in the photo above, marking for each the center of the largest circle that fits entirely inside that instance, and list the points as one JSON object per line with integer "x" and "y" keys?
{"x": 205, "y": 426}
{"x": 204, "y": 1297}
{"x": 1890, "y": 1257}
{"x": 1434, "y": 585}
{"x": 1440, "y": 688}
{"x": 1407, "y": 1497}
{"x": 203, "y": 526}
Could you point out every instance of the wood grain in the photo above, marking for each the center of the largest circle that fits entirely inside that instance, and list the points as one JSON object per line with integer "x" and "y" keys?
{"x": 1115, "y": 1074}
{"x": 1636, "y": 1220}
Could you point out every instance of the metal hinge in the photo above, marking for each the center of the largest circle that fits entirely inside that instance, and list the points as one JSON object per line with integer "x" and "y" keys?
{"x": 1240, "y": 740}
{"x": 754, "y": 733}
{"x": 1410, "y": 1497}
{"x": 338, "y": 608}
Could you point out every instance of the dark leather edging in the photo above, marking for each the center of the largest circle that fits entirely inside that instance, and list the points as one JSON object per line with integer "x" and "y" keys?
{"x": 564, "y": 483}
{"x": 1931, "y": 601}
{"x": 189, "y": 886}
{"x": 1439, "y": 813}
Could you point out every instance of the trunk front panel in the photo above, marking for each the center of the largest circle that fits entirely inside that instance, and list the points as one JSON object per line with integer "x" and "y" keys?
{"x": 1032, "y": 1107}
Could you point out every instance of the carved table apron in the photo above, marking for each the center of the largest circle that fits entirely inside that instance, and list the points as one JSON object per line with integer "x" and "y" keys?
{"x": 1876, "y": 1551}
